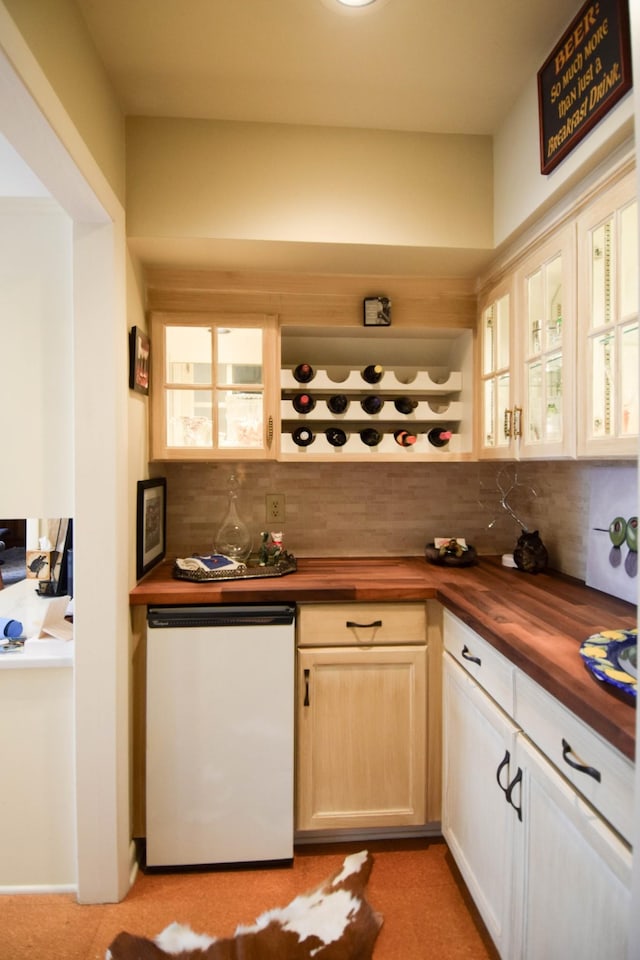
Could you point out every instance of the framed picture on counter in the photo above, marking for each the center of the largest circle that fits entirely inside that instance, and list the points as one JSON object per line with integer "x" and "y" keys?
{"x": 151, "y": 524}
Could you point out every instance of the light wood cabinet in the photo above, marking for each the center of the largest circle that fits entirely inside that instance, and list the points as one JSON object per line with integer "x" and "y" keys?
{"x": 361, "y": 754}
{"x": 548, "y": 873}
{"x": 213, "y": 386}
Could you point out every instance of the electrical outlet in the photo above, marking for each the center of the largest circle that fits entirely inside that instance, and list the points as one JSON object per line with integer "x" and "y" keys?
{"x": 275, "y": 507}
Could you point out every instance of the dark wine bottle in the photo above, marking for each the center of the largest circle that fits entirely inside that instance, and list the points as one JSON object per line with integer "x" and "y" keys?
{"x": 405, "y": 404}
{"x": 373, "y": 373}
{"x": 338, "y": 404}
{"x": 336, "y": 436}
{"x": 370, "y": 436}
{"x": 303, "y": 373}
{"x": 303, "y": 403}
{"x": 439, "y": 437}
{"x": 372, "y": 404}
{"x": 404, "y": 438}
{"x": 302, "y": 436}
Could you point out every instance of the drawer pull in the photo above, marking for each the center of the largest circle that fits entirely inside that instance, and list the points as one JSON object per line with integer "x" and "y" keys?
{"x": 364, "y": 626}
{"x": 306, "y": 688}
{"x": 582, "y": 767}
{"x": 503, "y": 763}
{"x": 466, "y": 653}
{"x": 509, "y": 793}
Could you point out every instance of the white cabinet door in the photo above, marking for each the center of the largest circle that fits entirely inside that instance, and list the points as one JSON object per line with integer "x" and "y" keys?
{"x": 477, "y": 823}
{"x": 544, "y": 421}
{"x": 574, "y": 872}
{"x": 608, "y": 311}
{"x": 497, "y": 438}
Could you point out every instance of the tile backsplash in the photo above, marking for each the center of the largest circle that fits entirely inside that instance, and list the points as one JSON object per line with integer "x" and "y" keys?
{"x": 386, "y": 509}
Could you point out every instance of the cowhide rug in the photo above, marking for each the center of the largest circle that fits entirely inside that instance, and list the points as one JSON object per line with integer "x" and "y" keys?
{"x": 332, "y": 922}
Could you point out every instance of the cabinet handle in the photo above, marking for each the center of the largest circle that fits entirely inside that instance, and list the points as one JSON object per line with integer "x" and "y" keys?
{"x": 466, "y": 653}
{"x": 269, "y": 432}
{"x": 508, "y": 423}
{"x": 306, "y": 689}
{"x": 503, "y": 763}
{"x": 517, "y": 421}
{"x": 583, "y": 768}
{"x": 509, "y": 793}
{"x": 364, "y": 626}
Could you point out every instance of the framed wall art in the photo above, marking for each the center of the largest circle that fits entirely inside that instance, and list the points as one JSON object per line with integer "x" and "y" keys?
{"x": 139, "y": 349}
{"x": 151, "y": 524}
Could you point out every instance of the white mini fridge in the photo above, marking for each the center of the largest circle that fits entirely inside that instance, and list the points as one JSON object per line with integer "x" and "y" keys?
{"x": 219, "y": 737}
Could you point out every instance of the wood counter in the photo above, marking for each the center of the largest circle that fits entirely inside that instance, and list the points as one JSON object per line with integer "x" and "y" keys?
{"x": 536, "y": 621}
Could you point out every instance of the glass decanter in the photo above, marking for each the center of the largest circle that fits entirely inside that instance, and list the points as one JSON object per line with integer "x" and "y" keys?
{"x": 233, "y": 539}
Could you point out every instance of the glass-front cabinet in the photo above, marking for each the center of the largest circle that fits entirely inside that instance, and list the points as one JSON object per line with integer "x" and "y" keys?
{"x": 212, "y": 386}
{"x": 545, "y": 344}
{"x": 608, "y": 310}
{"x": 497, "y": 434}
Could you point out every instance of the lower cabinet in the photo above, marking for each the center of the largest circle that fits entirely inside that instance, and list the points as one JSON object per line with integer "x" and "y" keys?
{"x": 549, "y": 875}
{"x": 479, "y": 741}
{"x": 573, "y": 875}
{"x": 361, "y": 751}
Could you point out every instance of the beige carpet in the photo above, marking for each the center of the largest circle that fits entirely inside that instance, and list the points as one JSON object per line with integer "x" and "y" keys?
{"x": 414, "y": 885}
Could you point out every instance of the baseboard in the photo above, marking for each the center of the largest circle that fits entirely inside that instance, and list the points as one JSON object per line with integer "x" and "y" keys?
{"x": 29, "y": 888}
{"x": 367, "y": 833}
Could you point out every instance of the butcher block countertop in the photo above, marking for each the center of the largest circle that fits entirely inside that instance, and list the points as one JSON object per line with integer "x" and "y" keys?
{"x": 536, "y": 621}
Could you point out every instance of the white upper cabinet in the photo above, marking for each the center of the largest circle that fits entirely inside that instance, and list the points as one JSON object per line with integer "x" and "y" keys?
{"x": 608, "y": 334}
{"x": 544, "y": 323}
{"x": 212, "y": 386}
{"x": 558, "y": 351}
{"x": 497, "y": 439}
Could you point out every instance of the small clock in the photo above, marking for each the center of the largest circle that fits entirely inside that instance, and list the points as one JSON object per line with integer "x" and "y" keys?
{"x": 377, "y": 312}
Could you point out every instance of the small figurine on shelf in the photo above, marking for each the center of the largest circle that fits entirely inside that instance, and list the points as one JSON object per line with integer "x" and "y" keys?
{"x": 270, "y": 552}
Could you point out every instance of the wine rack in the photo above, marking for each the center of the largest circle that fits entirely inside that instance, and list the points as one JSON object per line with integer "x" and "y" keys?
{"x": 433, "y": 369}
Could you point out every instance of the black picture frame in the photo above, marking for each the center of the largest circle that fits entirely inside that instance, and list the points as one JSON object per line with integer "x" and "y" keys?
{"x": 585, "y": 75}
{"x": 151, "y": 524}
{"x": 139, "y": 353}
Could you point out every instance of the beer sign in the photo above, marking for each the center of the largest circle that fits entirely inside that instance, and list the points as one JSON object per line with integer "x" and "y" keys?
{"x": 588, "y": 71}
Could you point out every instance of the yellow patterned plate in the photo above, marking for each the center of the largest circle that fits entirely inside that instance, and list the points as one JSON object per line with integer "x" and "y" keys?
{"x": 612, "y": 656}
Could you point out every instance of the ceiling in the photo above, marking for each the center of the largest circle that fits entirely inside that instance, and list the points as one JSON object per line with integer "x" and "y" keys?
{"x": 439, "y": 67}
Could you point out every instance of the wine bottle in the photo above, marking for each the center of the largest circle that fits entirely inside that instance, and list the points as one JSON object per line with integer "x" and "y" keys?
{"x": 404, "y": 438}
{"x": 336, "y": 436}
{"x": 338, "y": 404}
{"x": 372, "y": 404}
{"x": 303, "y": 373}
{"x": 373, "y": 373}
{"x": 302, "y": 436}
{"x": 439, "y": 437}
{"x": 405, "y": 404}
{"x": 370, "y": 436}
{"x": 303, "y": 403}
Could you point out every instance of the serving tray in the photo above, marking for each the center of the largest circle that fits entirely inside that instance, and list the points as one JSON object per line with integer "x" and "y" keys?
{"x": 611, "y": 656}
{"x": 251, "y": 570}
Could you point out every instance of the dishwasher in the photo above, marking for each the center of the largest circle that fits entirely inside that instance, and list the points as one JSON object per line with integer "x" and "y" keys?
{"x": 219, "y": 737}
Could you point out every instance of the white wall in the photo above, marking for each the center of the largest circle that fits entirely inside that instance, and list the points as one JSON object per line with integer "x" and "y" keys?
{"x": 260, "y": 181}
{"x": 36, "y": 441}
{"x": 520, "y": 191}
